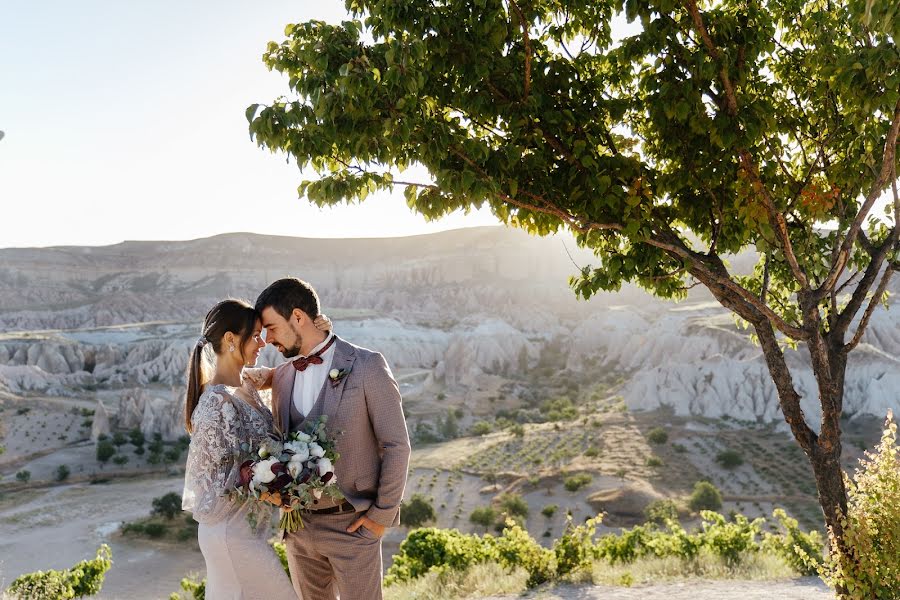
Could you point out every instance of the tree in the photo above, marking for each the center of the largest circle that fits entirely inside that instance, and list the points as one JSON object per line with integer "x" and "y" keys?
{"x": 167, "y": 506}
{"x": 705, "y": 496}
{"x": 105, "y": 450}
{"x": 714, "y": 129}
{"x": 418, "y": 511}
{"x": 484, "y": 516}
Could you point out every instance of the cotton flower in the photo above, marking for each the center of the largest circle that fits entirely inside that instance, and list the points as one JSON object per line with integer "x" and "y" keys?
{"x": 300, "y": 450}
{"x": 316, "y": 450}
{"x": 262, "y": 471}
{"x": 302, "y": 437}
{"x": 324, "y": 466}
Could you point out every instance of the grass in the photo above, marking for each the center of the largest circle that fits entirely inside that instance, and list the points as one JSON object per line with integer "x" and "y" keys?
{"x": 476, "y": 582}
{"x": 752, "y": 567}
{"x": 492, "y": 579}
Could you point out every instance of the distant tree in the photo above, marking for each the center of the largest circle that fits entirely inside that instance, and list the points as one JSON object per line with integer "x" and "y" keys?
{"x": 62, "y": 473}
{"x": 657, "y": 435}
{"x": 705, "y": 497}
{"x": 484, "y": 516}
{"x": 513, "y": 504}
{"x": 24, "y": 476}
{"x": 418, "y": 511}
{"x": 105, "y": 451}
{"x": 480, "y": 428}
{"x": 715, "y": 128}
{"x": 119, "y": 439}
{"x": 136, "y": 437}
{"x": 730, "y": 459}
{"x": 167, "y": 506}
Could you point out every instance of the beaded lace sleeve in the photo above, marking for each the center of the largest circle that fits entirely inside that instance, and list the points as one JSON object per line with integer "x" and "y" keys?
{"x": 213, "y": 458}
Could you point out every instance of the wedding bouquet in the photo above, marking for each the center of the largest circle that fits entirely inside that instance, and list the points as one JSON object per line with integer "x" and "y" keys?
{"x": 292, "y": 472}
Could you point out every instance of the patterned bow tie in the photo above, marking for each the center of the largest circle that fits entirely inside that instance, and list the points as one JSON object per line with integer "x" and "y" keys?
{"x": 314, "y": 359}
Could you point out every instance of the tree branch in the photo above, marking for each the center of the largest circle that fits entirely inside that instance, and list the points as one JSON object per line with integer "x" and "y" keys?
{"x": 524, "y": 25}
{"x": 887, "y": 168}
{"x": 873, "y": 304}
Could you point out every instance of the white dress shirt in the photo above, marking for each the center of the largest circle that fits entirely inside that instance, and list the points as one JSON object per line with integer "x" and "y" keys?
{"x": 308, "y": 383}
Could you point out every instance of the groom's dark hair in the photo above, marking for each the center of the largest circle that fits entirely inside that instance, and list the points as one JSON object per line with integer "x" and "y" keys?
{"x": 287, "y": 294}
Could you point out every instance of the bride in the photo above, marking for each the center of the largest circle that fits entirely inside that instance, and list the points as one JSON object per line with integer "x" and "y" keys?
{"x": 221, "y": 414}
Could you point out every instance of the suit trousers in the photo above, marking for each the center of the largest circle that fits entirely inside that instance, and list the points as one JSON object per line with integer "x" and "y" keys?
{"x": 326, "y": 562}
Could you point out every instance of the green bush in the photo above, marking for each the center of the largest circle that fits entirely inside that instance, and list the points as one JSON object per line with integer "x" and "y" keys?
{"x": 120, "y": 459}
{"x": 83, "y": 579}
{"x": 801, "y": 551}
{"x": 574, "y": 550}
{"x": 730, "y": 459}
{"x": 136, "y": 436}
{"x": 661, "y": 511}
{"x": 480, "y": 428}
{"x": 428, "y": 548}
{"x": 515, "y": 548}
{"x": 155, "y": 530}
{"x": 167, "y": 506}
{"x": 24, "y": 476}
{"x": 729, "y": 540}
{"x": 705, "y": 497}
{"x": 654, "y": 461}
{"x": 119, "y": 439}
{"x": 657, "y": 435}
{"x": 105, "y": 450}
{"x": 484, "y": 516}
{"x": 62, "y": 473}
{"x": 868, "y": 566}
{"x": 517, "y": 430}
{"x": 549, "y": 510}
{"x": 576, "y": 482}
{"x": 559, "y": 409}
{"x": 418, "y": 511}
{"x": 513, "y": 504}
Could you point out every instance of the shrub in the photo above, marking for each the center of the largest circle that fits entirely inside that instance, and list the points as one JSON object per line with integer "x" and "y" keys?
{"x": 172, "y": 454}
{"x": 801, "y": 551}
{"x": 592, "y": 452}
{"x": 867, "y": 566}
{"x": 576, "y": 482}
{"x": 154, "y": 530}
{"x": 515, "y": 548}
{"x": 418, "y": 511}
{"x": 83, "y": 579}
{"x": 517, "y": 430}
{"x": 105, "y": 450}
{"x": 24, "y": 476}
{"x": 559, "y": 409}
{"x": 574, "y": 550}
{"x": 661, "y": 511}
{"x": 705, "y": 497}
{"x": 549, "y": 510}
{"x": 62, "y": 473}
{"x": 654, "y": 461}
{"x": 484, "y": 516}
{"x": 119, "y": 439}
{"x": 155, "y": 458}
{"x": 167, "y": 506}
{"x": 480, "y": 428}
{"x": 657, "y": 435}
{"x": 120, "y": 459}
{"x": 136, "y": 436}
{"x": 427, "y": 548}
{"x": 730, "y": 459}
{"x": 513, "y": 504}
{"x": 729, "y": 539}
{"x": 194, "y": 586}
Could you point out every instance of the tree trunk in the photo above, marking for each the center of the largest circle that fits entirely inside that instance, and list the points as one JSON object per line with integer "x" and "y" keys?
{"x": 823, "y": 449}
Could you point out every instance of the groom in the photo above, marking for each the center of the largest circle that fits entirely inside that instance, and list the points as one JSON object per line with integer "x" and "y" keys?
{"x": 338, "y": 551}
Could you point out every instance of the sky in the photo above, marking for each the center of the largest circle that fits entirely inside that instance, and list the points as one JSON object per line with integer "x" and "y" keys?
{"x": 125, "y": 121}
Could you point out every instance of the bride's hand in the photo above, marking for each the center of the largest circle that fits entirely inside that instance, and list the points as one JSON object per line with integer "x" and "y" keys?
{"x": 322, "y": 323}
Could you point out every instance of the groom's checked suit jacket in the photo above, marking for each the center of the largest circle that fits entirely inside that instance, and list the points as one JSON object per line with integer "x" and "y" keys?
{"x": 366, "y": 418}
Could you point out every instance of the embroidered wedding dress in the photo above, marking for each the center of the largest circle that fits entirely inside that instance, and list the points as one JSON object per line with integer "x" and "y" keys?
{"x": 240, "y": 565}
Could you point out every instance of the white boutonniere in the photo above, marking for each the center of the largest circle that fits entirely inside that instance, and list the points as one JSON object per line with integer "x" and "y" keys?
{"x": 337, "y": 375}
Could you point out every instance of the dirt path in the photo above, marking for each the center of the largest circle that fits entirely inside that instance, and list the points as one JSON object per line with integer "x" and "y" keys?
{"x": 808, "y": 588}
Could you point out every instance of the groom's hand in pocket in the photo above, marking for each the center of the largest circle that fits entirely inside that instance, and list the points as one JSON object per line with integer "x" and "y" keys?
{"x": 376, "y": 528}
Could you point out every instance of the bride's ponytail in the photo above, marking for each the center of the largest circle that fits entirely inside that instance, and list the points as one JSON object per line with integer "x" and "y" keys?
{"x": 236, "y": 316}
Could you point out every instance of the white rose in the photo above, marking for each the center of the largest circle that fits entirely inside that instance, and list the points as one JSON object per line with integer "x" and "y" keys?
{"x": 334, "y": 373}
{"x": 294, "y": 468}
{"x": 262, "y": 471}
{"x": 302, "y": 437}
{"x": 324, "y": 466}
{"x": 316, "y": 450}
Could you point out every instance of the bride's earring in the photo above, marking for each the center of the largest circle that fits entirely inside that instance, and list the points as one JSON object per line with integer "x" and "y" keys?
{"x": 231, "y": 348}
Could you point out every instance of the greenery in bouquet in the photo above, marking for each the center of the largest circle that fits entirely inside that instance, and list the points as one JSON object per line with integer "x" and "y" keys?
{"x": 293, "y": 471}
